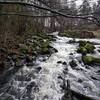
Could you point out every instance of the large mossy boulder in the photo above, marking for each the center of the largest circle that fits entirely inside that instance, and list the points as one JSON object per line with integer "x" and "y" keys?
{"x": 89, "y": 60}
{"x": 85, "y": 47}
{"x": 90, "y": 47}
{"x": 82, "y": 43}
{"x": 82, "y": 50}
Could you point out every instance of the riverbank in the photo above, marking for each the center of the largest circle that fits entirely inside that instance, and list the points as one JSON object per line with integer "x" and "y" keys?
{"x": 25, "y": 51}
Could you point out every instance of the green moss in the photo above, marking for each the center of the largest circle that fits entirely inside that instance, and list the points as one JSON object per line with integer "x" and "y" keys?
{"x": 90, "y": 47}
{"x": 85, "y": 47}
{"x": 83, "y": 43}
{"x": 82, "y": 50}
{"x": 45, "y": 46}
{"x": 87, "y": 59}
{"x": 90, "y": 60}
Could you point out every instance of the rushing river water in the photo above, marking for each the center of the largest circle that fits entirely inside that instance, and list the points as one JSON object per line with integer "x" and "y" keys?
{"x": 43, "y": 81}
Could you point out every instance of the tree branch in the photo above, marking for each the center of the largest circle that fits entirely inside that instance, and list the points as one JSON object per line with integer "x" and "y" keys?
{"x": 52, "y": 11}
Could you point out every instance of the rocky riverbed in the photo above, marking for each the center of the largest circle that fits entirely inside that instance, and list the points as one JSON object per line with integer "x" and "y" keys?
{"x": 59, "y": 76}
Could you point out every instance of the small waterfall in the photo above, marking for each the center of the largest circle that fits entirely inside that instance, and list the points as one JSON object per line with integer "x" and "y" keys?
{"x": 44, "y": 80}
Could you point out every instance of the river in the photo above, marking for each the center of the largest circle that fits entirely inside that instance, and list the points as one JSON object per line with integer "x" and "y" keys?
{"x": 44, "y": 80}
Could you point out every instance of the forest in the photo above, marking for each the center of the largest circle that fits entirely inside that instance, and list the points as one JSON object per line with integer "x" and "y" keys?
{"x": 49, "y": 49}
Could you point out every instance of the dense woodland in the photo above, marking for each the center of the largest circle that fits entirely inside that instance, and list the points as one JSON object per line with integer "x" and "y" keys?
{"x": 76, "y": 17}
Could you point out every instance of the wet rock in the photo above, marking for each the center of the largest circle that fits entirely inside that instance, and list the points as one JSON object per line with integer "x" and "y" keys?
{"x": 39, "y": 69}
{"x": 44, "y": 59}
{"x": 71, "y": 54}
{"x": 29, "y": 59}
{"x": 73, "y": 64}
{"x": 98, "y": 72}
{"x": 80, "y": 80}
{"x": 64, "y": 63}
{"x": 32, "y": 87}
{"x": 90, "y": 47}
{"x": 87, "y": 67}
{"x": 65, "y": 71}
{"x": 32, "y": 84}
{"x": 85, "y": 47}
{"x": 53, "y": 50}
{"x": 94, "y": 78}
{"x": 99, "y": 51}
{"x": 30, "y": 64}
{"x": 18, "y": 63}
{"x": 82, "y": 50}
{"x": 82, "y": 43}
{"x": 97, "y": 77}
{"x": 59, "y": 62}
{"x": 80, "y": 61}
{"x": 45, "y": 97}
{"x": 60, "y": 77}
{"x": 72, "y": 41}
{"x": 90, "y": 60}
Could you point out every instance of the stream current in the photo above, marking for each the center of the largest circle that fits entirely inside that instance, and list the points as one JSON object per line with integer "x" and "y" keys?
{"x": 44, "y": 80}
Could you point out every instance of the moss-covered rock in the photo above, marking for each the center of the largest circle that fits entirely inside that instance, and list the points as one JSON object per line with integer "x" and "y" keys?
{"x": 45, "y": 47}
{"x": 82, "y": 43}
{"x": 91, "y": 60}
{"x": 85, "y": 47}
{"x": 90, "y": 47}
{"x": 18, "y": 63}
{"x": 82, "y": 50}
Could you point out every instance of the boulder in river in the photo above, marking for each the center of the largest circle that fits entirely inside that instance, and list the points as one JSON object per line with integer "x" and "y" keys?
{"x": 64, "y": 63}
{"x": 59, "y": 62}
{"x": 89, "y": 60}
{"x": 73, "y": 64}
{"x": 85, "y": 47}
{"x": 18, "y": 63}
{"x": 38, "y": 69}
